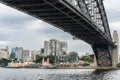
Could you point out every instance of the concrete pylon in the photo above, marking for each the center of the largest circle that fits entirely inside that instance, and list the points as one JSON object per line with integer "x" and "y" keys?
{"x": 95, "y": 62}
{"x": 47, "y": 60}
{"x": 115, "y": 53}
{"x": 43, "y": 60}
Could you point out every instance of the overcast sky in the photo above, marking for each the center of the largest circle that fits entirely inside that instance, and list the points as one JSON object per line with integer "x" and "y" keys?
{"x": 20, "y": 29}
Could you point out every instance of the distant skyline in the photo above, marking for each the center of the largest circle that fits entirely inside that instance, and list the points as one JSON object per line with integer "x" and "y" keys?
{"x": 20, "y": 29}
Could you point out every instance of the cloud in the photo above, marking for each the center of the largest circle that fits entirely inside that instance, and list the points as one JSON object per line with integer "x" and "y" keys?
{"x": 112, "y": 10}
{"x": 11, "y": 17}
{"x": 115, "y": 26}
{"x": 4, "y": 43}
{"x": 112, "y": 4}
{"x": 79, "y": 46}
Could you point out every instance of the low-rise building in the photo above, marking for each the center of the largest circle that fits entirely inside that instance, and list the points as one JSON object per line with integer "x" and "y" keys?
{"x": 73, "y": 57}
{"x": 23, "y": 65}
{"x": 3, "y": 54}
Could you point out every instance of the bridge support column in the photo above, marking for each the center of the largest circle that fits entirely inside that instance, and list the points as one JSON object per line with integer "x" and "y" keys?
{"x": 115, "y": 52}
{"x": 103, "y": 55}
{"x": 115, "y": 57}
{"x": 106, "y": 55}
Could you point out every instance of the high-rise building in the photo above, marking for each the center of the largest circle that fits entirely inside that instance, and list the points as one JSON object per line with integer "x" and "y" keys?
{"x": 58, "y": 48}
{"x": 54, "y": 47}
{"x": 26, "y": 55}
{"x": 13, "y": 53}
{"x": 8, "y": 50}
{"x": 46, "y": 48}
{"x": 33, "y": 55}
{"x": 64, "y": 47}
{"x": 19, "y": 53}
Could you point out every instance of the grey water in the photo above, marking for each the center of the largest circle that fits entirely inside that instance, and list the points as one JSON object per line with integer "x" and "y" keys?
{"x": 58, "y": 74}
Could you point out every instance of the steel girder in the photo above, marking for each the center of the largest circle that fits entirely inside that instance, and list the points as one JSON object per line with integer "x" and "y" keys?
{"x": 93, "y": 9}
{"x": 98, "y": 15}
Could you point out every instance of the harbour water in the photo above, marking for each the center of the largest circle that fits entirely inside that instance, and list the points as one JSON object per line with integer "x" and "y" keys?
{"x": 58, "y": 74}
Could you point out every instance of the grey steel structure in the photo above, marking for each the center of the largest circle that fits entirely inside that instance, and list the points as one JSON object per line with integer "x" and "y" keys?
{"x": 84, "y": 19}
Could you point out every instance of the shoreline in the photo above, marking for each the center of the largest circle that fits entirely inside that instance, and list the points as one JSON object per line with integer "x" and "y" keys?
{"x": 63, "y": 68}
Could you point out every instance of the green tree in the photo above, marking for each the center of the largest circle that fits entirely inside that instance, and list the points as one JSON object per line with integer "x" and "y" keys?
{"x": 39, "y": 59}
{"x": 87, "y": 59}
{"x": 51, "y": 59}
{"x": 118, "y": 65}
{"x": 4, "y": 62}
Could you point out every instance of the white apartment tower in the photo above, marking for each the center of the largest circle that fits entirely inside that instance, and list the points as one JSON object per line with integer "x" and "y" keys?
{"x": 46, "y": 48}
{"x": 54, "y": 47}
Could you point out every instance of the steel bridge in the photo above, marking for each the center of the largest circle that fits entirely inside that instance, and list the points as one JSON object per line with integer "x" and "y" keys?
{"x": 84, "y": 19}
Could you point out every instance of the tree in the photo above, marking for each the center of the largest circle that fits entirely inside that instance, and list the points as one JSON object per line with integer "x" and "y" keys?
{"x": 39, "y": 59}
{"x": 118, "y": 65}
{"x": 87, "y": 59}
{"x": 4, "y": 62}
{"x": 51, "y": 59}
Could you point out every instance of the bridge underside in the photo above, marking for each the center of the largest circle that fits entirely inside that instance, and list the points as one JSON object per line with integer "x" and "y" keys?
{"x": 62, "y": 15}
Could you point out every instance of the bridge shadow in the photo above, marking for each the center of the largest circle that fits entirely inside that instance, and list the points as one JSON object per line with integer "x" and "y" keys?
{"x": 83, "y": 75}
{"x": 101, "y": 74}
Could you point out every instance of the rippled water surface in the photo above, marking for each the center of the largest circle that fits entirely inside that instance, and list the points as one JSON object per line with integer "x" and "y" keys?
{"x": 58, "y": 74}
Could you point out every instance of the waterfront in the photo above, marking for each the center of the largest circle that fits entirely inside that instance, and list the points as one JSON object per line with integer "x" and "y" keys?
{"x": 58, "y": 74}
